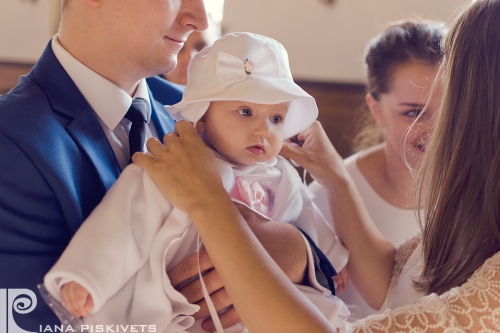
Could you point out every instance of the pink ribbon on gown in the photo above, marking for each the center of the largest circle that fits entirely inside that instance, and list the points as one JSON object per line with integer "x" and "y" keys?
{"x": 253, "y": 195}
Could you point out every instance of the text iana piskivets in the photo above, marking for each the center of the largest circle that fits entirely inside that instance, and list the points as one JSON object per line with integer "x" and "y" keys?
{"x": 99, "y": 329}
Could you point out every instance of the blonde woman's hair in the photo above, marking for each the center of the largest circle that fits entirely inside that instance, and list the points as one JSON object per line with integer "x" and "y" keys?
{"x": 459, "y": 182}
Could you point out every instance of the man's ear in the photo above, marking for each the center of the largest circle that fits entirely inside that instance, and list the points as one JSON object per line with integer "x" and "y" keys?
{"x": 374, "y": 107}
{"x": 201, "y": 125}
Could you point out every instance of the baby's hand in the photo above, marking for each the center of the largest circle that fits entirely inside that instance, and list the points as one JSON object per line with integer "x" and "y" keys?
{"x": 341, "y": 280}
{"x": 76, "y": 299}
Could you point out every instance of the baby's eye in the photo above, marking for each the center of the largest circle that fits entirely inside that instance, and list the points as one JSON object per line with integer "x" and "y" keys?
{"x": 276, "y": 119}
{"x": 245, "y": 112}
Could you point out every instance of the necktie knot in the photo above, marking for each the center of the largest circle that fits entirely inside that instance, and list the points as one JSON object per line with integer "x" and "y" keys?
{"x": 137, "y": 111}
{"x": 137, "y": 114}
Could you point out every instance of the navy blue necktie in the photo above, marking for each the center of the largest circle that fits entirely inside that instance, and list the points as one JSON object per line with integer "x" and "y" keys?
{"x": 137, "y": 114}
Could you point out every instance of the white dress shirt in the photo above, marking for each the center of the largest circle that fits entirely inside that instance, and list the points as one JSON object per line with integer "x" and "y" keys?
{"x": 109, "y": 101}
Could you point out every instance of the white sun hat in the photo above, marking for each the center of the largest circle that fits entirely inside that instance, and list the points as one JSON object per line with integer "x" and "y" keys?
{"x": 246, "y": 67}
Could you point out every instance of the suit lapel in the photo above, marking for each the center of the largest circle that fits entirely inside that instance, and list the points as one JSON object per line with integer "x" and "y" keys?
{"x": 84, "y": 127}
{"x": 87, "y": 133}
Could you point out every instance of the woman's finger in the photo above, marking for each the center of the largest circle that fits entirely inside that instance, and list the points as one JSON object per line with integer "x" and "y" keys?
{"x": 153, "y": 145}
{"x": 169, "y": 137}
{"x": 292, "y": 152}
{"x": 183, "y": 127}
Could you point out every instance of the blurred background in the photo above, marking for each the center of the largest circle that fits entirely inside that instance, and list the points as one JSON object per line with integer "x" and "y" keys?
{"x": 325, "y": 40}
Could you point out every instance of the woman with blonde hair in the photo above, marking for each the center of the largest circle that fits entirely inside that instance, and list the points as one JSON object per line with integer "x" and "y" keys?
{"x": 457, "y": 272}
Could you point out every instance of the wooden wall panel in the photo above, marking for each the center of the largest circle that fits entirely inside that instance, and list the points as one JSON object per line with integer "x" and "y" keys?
{"x": 9, "y": 75}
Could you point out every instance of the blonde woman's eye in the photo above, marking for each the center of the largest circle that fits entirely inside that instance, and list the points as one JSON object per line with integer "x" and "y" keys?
{"x": 276, "y": 119}
{"x": 412, "y": 113}
{"x": 245, "y": 112}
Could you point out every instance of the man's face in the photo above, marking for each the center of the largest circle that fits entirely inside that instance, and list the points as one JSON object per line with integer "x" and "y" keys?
{"x": 150, "y": 33}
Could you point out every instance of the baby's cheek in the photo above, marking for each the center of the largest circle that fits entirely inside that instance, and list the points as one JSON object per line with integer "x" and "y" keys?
{"x": 276, "y": 144}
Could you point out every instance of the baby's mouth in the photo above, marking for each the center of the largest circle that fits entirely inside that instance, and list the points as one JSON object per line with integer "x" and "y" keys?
{"x": 257, "y": 149}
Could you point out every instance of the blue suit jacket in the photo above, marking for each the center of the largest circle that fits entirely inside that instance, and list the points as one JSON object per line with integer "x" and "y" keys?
{"x": 56, "y": 164}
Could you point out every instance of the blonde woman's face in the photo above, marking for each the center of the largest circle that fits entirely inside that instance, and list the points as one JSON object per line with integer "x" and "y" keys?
{"x": 397, "y": 109}
{"x": 243, "y": 132}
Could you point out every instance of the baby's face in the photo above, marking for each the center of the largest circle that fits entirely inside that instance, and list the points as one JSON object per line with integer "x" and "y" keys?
{"x": 244, "y": 132}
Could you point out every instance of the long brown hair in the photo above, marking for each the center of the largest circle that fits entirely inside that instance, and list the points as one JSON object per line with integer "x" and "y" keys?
{"x": 400, "y": 43}
{"x": 460, "y": 176}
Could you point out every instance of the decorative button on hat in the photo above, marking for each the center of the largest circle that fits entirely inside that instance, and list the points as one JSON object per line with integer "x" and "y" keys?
{"x": 245, "y": 67}
{"x": 248, "y": 67}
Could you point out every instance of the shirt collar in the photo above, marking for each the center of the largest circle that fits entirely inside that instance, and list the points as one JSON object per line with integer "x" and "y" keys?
{"x": 109, "y": 101}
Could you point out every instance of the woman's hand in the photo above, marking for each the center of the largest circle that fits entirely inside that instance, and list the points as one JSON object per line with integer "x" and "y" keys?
{"x": 183, "y": 168}
{"x": 312, "y": 150}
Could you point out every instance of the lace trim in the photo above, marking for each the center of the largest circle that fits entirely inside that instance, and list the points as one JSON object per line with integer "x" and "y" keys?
{"x": 472, "y": 307}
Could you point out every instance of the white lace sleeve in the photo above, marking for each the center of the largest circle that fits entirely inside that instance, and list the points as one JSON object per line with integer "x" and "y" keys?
{"x": 472, "y": 307}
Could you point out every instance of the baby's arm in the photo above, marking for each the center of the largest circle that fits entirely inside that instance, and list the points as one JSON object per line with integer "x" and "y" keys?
{"x": 121, "y": 229}
{"x": 76, "y": 299}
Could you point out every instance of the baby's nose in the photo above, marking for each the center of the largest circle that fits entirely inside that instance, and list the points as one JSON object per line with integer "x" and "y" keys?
{"x": 263, "y": 129}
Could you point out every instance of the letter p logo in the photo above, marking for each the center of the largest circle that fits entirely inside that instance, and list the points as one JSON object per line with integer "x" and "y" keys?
{"x": 19, "y": 300}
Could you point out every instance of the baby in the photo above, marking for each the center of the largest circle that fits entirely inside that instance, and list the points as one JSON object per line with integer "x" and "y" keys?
{"x": 244, "y": 102}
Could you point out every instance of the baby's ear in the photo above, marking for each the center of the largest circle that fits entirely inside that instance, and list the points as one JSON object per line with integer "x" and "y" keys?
{"x": 200, "y": 125}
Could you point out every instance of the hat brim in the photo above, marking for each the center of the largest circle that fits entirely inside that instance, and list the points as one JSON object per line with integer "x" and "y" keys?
{"x": 301, "y": 113}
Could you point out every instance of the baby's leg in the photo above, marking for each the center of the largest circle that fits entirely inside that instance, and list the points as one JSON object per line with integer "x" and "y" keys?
{"x": 76, "y": 299}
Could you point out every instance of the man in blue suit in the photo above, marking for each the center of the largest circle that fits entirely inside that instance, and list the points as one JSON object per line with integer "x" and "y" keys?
{"x": 64, "y": 138}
